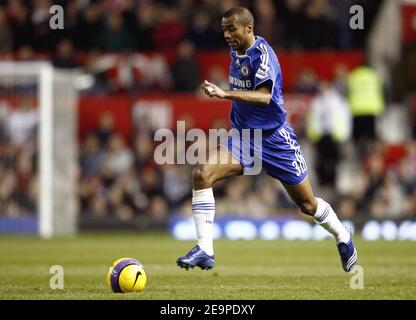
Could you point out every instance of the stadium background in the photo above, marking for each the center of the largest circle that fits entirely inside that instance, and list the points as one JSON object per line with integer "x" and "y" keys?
{"x": 148, "y": 58}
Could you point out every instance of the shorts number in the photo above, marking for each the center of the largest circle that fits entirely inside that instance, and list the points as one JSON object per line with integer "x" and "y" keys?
{"x": 299, "y": 164}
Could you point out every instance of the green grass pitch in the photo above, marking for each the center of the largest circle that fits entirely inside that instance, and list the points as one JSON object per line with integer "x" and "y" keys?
{"x": 249, "y": 270}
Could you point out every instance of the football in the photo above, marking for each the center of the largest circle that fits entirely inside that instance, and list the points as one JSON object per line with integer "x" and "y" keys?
{"x": 126, "y": 275}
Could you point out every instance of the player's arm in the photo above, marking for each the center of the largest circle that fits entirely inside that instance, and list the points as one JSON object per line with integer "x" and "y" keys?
{"x": 260, "y": 96}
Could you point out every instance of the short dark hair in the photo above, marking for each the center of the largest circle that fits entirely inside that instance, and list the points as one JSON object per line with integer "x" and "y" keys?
{"x": 244, "y": 15}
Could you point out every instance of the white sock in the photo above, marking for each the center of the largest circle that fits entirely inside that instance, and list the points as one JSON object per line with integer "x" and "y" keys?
{"x": 327, "y": 218}
{"x": 203, "y": 208}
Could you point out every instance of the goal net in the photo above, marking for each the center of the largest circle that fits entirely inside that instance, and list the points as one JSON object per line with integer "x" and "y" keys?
{"x": 38, "y": 149}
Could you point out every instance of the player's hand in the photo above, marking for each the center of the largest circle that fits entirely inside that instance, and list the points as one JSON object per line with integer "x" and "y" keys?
{"x": 212, "y": 90}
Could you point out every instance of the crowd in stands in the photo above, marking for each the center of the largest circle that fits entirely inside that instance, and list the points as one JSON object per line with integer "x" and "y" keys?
{"x": 18, "y": 158}
{"x": 119, "y": 177}
{"x": 114, "y": 25}
{"x": 116, "y": 40}
{"x": 125, "y": 182}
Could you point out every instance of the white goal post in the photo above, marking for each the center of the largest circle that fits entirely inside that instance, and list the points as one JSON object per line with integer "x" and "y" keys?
{"x": 56, "y": 143}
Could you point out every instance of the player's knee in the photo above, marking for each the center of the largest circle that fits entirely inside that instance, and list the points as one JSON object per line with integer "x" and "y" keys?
{"x": 308, "y": 207}
{"x": 202, "y": 176}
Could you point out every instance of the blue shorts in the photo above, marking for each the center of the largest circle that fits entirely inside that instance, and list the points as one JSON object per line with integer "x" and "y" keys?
{"x": 278, "y": 152}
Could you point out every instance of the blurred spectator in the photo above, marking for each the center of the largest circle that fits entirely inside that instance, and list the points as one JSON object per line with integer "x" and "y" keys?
{"x": 146, "y": 21}
{"x": 407, "y": 176}
{"x": 97, "y": 206}
{"x": 153, "y": 72}
{"x": 98, "y": 66}
{"x": 217, "y": 75}
{"x": 265, "y": 15}
{"x": 346, "y": 207}
{"x": 90, "y": 25}
{"x": 176, "y": 184}
{"x": 387, "y": 201}
{"x": 144, "y": 127}
{"x": 91, "y": 156}
{"x": 112, "y": 72}
{"x": 158, "y": 208}
{"x": 340, "y": 79}
{"x": 105, "y": 128}
{"x": 185, "y": 71}
{"x": 64, "y": 56}
{"x": 366, "y": 99}
{"x": 8, "y": 155}
{"x": 118, "y": 203}
{"x": 42, "y": 31}
{"x": 117, "y": 157}
{"x": 22, "y": 123}
{"x": 307, "y": 83}
{"x": 4, "y": 110}
{"x": 114, "y": 37}
{"x": 40, "y": 11}
{"x": 25, "y": 53}
{"x": 255, "y": 205}
{"x": 107, "y": 177}
{"x": 407, "y": 167}
{"x": 342, "y": 17}
{"x": 329, "y": 124}
{"x": 290, "y": 13}
{"x": 151, "y": 181}
{"x": 127, "y": 10}
{"x": 170, "y": 31}
{"x": 233, "y": 202}
{"x": 143, "y": 150}
{"x": 6, "y": 40}
{"x": 369, "y": 179}
{"x": 71, "y": 22}
{"x": 267, "y": 190}
{"x": 224, "y": 6}
{"x": 21, "y": 24}
{"x": 25, "y": 183}
{"x": 319, "y": 30}
{"x": 126, "y": 79}
{"x": 8, "y": 194}
{"x": 200, "y": 32}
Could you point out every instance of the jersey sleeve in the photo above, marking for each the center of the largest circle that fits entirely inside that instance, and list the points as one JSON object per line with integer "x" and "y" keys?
{"x": 265, "y": 71}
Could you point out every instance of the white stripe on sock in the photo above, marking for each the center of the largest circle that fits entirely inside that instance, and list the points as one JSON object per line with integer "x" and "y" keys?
{"x": 327, "y": 218}
{"x": 203, "y": 208}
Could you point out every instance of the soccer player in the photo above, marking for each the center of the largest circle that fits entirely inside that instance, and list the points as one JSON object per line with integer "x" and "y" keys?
{"x": 257, "y": 103}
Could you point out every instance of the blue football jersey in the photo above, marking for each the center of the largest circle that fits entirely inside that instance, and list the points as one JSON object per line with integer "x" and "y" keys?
{"x": 247, "y": 72}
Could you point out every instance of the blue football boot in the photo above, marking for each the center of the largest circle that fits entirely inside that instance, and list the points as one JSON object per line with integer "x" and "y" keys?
{"x": 348, "y": 254}
{"x": 196, "y": 258}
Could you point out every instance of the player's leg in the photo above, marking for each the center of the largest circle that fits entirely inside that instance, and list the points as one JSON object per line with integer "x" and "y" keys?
{"x": 203, "y": 203}
{"x": 325, "y": 216}
{"x": 220, "y": 165}
{"x": 320, "y": 210}
{"x": 283, "y": 160}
